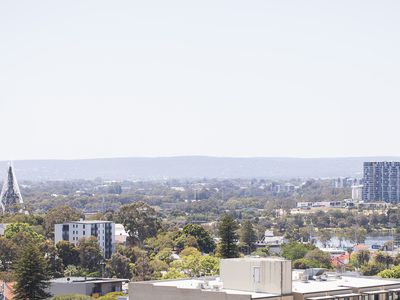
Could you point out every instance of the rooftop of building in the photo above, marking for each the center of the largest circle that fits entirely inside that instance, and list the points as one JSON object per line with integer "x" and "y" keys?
{"x": 257, "y": 258}
{"x": 88, "y": 222}
{"x": 329, "y": 284}
{"x": 333, "y": 283}
{"x": 208, "y": 284}
{"x": 78, "y": 280}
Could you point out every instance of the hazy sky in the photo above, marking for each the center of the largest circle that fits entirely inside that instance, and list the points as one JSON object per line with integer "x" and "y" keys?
{"x": 98, "y": 78}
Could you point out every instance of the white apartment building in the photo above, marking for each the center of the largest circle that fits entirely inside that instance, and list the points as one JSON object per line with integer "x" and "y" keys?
{"x": 73, "y": 231}
{"x": 356, "y": 192}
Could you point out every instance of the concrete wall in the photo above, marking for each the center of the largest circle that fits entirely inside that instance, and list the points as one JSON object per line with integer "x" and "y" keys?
{"x": 381, "y": 296}
{"x": 275, "y": 275}
{"x": 85, "y": 288}
{"x": 300, "y": 296}
{"x": 57, "y": 233}
{"x": 62, "y": 288}
{"x": 146, "y": 291}
{"x": 111, "y": 287}
{"x": 375, "y": 288}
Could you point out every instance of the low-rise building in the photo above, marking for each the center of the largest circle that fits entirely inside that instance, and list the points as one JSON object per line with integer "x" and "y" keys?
{"x": 334, "y": 287}
{"x": 271, "y": 241}
{"x": 356, "y": 192}
{"x": 267, "y": 279}
{"x": 73, "y": 231}
{"x": 120, "y": 234}
{"x": 85, "y": 286}
{"x": 304, "y": 205}
{"x": 240, "y": 279}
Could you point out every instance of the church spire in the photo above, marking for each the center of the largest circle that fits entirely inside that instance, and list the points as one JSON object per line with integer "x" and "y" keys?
{"x": 10, "y": 197}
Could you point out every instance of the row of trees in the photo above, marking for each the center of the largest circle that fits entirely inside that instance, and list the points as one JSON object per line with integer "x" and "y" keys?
{"x": 378, "y": 263}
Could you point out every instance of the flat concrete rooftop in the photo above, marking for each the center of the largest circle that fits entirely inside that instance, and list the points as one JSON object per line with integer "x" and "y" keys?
{"x": 88, "y": 222}
{"x": 194, "y": 284}
{"x": 250, "y": 258}
{"x": 312, "y": 286}
{"x": 87, "y": 280}
{"x": 336, "y": 284}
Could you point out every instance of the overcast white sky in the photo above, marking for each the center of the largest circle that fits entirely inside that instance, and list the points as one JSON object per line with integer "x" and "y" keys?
{"x": 85, "y": 79}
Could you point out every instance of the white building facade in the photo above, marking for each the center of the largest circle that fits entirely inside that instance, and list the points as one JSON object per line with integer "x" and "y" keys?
{"x": 356, "y": 192}
{"x": 73, "y": 231}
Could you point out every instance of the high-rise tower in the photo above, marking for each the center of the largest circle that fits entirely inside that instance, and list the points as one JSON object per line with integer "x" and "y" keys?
{"x": 381, "y": 182}
{"x": 10, "y": 197}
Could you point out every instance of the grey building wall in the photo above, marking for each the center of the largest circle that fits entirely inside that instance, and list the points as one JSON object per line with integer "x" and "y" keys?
{"x": 147, "y": 291}
{"x": 85, "y": 288}
{"x": 61, "y": 288}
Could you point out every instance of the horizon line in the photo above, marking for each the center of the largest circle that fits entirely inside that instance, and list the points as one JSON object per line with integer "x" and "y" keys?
{"x": 199, "y": 156}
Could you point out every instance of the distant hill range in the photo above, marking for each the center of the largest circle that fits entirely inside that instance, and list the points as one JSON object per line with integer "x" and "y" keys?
{"x": 190, "y": 167}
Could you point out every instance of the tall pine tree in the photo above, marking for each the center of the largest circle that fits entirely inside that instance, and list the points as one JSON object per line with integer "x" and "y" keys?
{"x": 32, "y": 275}
{"x": 227, "y": 227}
{"x": 248, "y": 236}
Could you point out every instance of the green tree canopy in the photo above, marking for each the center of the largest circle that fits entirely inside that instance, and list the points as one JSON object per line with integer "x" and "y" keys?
{"x": 59, "y": 215}
{"x": 68, "y": 253}
{"x": 360, "y": 258}
{"x": 227, "y": 227}
{"x": 195, "y": 265}
{"x": 8, "y": 253}
{"x": 383, "y": 259}
{"x": 14, "y": 229}
{"x": 140, "y": 221}
{"x": 32, "y": 275}
{"x": 295, "y": 250}
{"x": 204, "y": 240}
{"x": 90, "y": 254}
{"x": 371, "y": 269}
{"x": 119, "y": 266}
{"x": 248, "y": 235}
{"x": 323, "y": 259}
{"x": 303, "y": 263}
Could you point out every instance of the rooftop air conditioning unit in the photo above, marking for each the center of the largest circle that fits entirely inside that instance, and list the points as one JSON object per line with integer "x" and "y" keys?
{"x": 314, "y": 273}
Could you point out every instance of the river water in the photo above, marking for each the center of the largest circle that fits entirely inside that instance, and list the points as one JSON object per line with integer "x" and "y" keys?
{"x": 371, "y": 239}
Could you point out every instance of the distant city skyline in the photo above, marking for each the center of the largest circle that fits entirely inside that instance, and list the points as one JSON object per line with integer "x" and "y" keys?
{"x": 231, "y": 78}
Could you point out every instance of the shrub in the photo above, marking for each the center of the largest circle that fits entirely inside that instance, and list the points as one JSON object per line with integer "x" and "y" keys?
{"x": 304, "y": 263}
{"x": 390, "y": 273}
{"x": 371, "y": 269}
{"x": 72, "y": 297}
{"x": 111, "y": 296}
